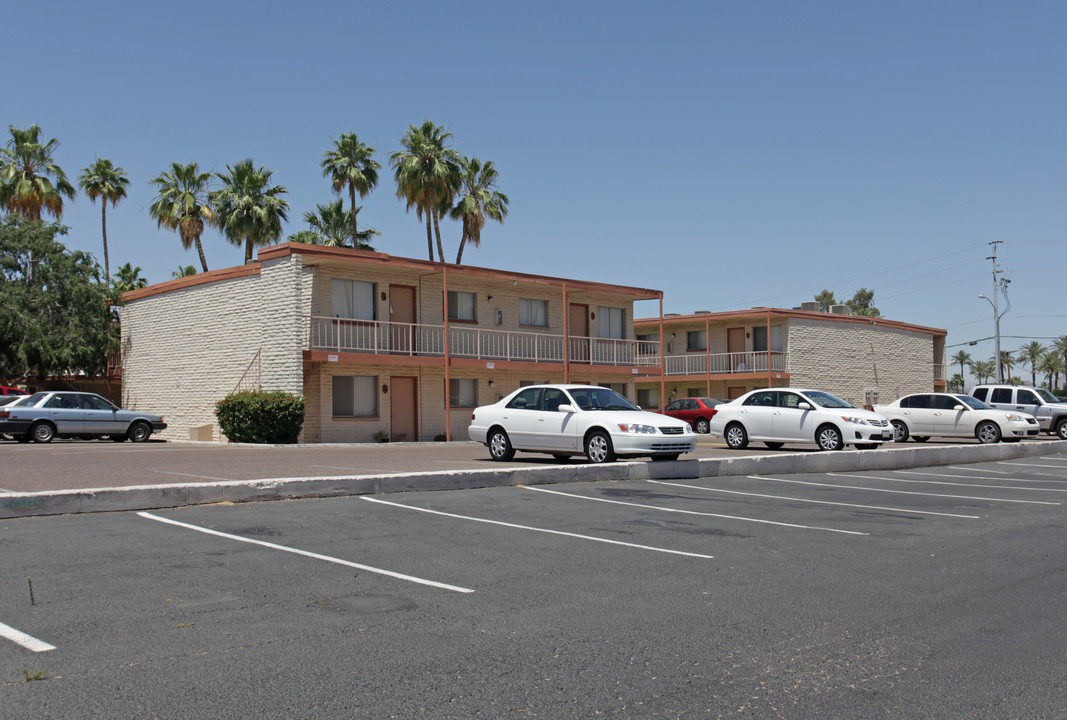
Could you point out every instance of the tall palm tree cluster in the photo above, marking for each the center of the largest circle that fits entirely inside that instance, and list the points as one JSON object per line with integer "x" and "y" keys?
{"x": 249, "y": 210}
{"x": 1050, "y": 361}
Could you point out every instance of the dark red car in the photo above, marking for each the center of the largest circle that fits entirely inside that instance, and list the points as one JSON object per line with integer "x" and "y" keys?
{"x": 697, "y": 411}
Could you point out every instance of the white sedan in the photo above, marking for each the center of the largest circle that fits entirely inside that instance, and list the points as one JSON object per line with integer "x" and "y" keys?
{"x": 947, "y": 414}
{"x": 566, "y": 420}
{"x": 789, "y": 415}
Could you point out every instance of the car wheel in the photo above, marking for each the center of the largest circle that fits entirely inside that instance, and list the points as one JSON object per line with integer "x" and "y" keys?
{"x": 828, "y": 437}
{"x": 920, "y": 438}
{"x": 139, "y": 432}
{"x": 774, "y": 445}
{"x": 736, "y": 437}
{"x": 900, "y": 431}
{"x": 42, "y": 432}
{"x": 666, "y": 456}
{"x": 703, "y": 426}
{"x": 1061, "y": 429}
{"x": 987, "y": 432}
{"x": 500, "y": 446}
{"x": 598, "y": 447}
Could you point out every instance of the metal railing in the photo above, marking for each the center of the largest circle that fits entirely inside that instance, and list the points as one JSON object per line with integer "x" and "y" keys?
{"x": 388, "y": 338}
{"x": 724, "y": 363}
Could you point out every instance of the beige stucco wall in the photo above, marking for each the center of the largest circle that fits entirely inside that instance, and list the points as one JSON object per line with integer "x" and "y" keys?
{"x": 186, "y": 349}
{"x": 850, "y": 359}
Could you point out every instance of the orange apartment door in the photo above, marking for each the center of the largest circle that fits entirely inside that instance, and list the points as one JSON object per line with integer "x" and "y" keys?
{"x": 402, "y": 310}
{"x": 403, "y": 410}
{"x": 578, "y": 329}
{"x": 735, "y": 345}
{"x": 732, "y": 393}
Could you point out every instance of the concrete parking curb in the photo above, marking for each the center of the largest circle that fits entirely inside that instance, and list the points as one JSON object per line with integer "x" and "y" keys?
{"x": 146, "y": 497}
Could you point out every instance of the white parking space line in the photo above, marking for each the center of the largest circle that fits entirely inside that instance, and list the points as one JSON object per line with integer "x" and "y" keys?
{"x": 1032, "y": 465}
{"x": 27, "y": 641}
{"x": 694, "y": 512}
{"x": 537, "y": 529}
{"x": 940, "y": 482}
{"x": 818, "y": 502}
{"x": 305, "y": 553}
{"x": 898, "y": 492}
{"x": 970, "y": 477}
{"x": 974, "y": 469}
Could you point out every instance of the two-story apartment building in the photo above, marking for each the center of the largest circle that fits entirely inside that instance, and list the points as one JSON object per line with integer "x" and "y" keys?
{"x": 380, "y": 346}
{"x": 724, "y": 355}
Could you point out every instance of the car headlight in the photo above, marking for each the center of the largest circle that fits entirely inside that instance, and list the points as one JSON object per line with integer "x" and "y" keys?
{"x": 1010, "y": 416}
{"x": 635, "y": 428}
{"x": 854, "y": 420}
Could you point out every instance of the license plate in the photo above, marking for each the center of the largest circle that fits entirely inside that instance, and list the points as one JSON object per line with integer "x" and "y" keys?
{"x": 887, "y": 436}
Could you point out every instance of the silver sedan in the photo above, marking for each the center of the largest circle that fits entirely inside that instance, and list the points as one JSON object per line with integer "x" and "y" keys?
{"x": 43, "y": 416}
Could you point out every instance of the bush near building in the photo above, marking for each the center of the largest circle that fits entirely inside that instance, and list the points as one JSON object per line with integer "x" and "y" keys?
{"x": 258, "y": 416}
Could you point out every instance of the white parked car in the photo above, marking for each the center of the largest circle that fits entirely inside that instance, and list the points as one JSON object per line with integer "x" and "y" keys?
{"x": 567, "y": 420}
{"x": 789, "y": 415}
{"x": 922, "y": 415}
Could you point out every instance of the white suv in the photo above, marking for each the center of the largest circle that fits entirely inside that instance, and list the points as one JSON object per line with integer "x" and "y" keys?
{"x": 1050, "y": 411}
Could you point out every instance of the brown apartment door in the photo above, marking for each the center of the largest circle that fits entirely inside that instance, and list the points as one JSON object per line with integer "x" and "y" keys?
{"x": 578, "y": 329}
{"x": 735, "y": 345}
{"x": 403, "y": 410}
{"x": 402, "y": 311}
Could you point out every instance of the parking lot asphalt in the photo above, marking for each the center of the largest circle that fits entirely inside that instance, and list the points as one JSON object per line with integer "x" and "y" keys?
{"x": 72, "y": 476}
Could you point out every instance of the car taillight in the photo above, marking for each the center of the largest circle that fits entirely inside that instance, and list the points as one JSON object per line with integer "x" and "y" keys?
{"x": 472, "y": 416}
{"x": 5, "y": 414}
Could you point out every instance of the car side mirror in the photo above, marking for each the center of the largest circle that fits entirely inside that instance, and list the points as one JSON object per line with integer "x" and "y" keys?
{"x": 959, "y": 407}
{"x": 804, "y": 405}
{"x": 566, "y": 408}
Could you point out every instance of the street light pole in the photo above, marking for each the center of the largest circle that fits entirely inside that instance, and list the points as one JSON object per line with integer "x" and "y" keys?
{"x": 996, "y": 335}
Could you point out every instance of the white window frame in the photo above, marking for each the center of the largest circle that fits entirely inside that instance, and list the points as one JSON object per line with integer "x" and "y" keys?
{"x": 533, "y": 312}
{"x": 470, "y": 304}
{"x": 353, "y": 299}
{"x": 362, "y": 396}
{"x": 611, "y": 322}
{"x": 462, "y": 392}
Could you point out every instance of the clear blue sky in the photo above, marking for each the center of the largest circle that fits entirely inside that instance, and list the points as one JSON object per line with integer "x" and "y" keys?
{"x": 731, "y": 154}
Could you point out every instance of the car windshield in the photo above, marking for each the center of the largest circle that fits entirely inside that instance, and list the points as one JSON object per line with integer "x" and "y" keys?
{"x": 973, "y": 402}
{"x": 599, "y": 398}
{"x": 1046, "y": 395}
{"x": 826, "y": 400}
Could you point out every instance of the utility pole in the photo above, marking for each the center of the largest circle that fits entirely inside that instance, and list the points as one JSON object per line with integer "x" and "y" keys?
{"x": 996, "y": 309}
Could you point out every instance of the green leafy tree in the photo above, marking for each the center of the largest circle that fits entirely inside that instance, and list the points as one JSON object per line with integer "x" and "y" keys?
{"x": 1051, "y": 364}
{"x": 825, "y": 300}
{"x": 350, "y": 164}
{"x": 247, "y": 209}
{"x": 963, "y": 358}
{"x": 53, "y": 307}
{"x": 861, "y": 304}
{"x": 181, "y": 204}
{"x": 1031, "y": 352}
{"x": 107, "y": 182}
{"x": 427, "y": 174}
{"x": 1007, "y": 362}
{"x": 330, "y": 225}
{"x": 478, "y": 199}
{"x": 956, "y": 383}
{"x": 126, "y": 279}
{"x": 1060, "y": 344}
{"x": 31, "y": 183}
{"x": 183, "y": 271}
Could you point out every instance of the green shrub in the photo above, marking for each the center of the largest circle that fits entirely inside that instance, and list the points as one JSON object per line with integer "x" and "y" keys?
{"x": 273, "y": 418}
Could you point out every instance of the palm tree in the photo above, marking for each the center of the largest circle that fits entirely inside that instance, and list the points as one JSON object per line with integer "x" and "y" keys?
{"x": 183, "y": 271}
{"x": 181, "y": 204}
{"x": 128, "y": 278}
{"x": 247, "y": 211}
{"x": 427, "y": 175}
{"x": 1007, "y": 360}
{"x": 30, "y": 182}
{"x": 478, "y": 199}
{"x": 956, "y": 383}
{"x": 1060, "y": 344}
{"x": 351, "y": 164}
{"x": 1031, "y": 353}
{"x": 963, "y": 358}
{"x": 983, "y": 369}
{"x": 330, "y": 225}
{"x": 104, "y": 180}
{"x": 1051, "y": 363}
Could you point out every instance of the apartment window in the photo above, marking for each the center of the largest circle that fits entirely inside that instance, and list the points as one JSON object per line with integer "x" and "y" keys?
{"x": 648, "y": 397}
{"x": 461, "y": 306}
{"x": 759, "y": 338}
{"x": 462, "y": 392}
{"x": 617, "y": 387}
{"x": 696, "y": 340}
{"x": 533, "y": 312}
{"x": 355, "y": 396}
{"x": 353, "y": 299}
{"x": 611, "y": 322}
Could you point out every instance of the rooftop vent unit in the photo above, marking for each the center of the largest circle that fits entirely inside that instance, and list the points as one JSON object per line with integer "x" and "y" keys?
{"x": 840, "y": 310}
{"x": 702, "y": 312}
{"x": 811, "y": 306}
